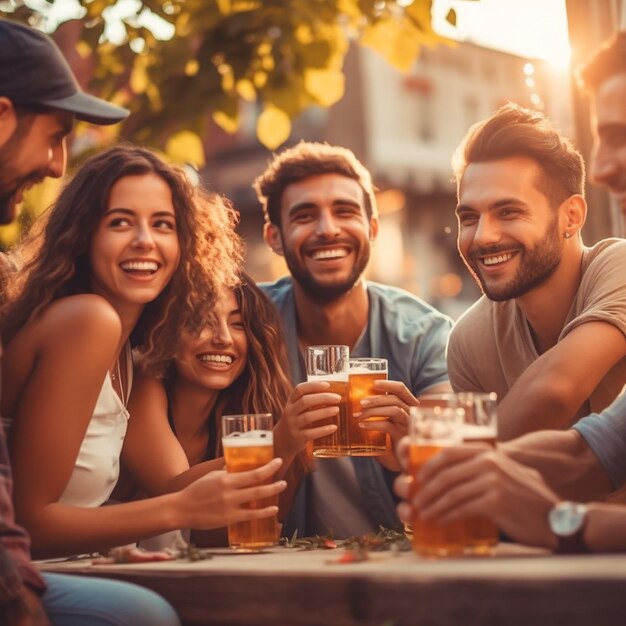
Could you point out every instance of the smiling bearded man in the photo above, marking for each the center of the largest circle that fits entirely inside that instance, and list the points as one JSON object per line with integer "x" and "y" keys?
{"x": 320, "y": 215}
{"x": 549, "y": 335}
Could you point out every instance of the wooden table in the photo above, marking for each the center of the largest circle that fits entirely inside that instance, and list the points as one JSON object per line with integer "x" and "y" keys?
{"x": 283, "y": 587}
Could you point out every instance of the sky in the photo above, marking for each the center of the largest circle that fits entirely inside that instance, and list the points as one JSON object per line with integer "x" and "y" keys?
{"x": 528, "y": 28}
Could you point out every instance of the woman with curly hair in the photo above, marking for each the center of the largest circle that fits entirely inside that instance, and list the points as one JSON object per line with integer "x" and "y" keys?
{"x": 236, "y": 364}
{"x": 129, "y": 253}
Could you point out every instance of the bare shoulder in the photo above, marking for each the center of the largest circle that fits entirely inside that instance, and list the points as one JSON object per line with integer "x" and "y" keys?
{"x": 84, "y": 320}
{"x": 86, "y": 310}
{"x": 80, "y": 317}
{"x": 75, "y": 338}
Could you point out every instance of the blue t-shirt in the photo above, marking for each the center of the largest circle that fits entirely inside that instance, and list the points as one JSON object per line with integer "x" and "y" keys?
{"x": 605, "y": 434}
{"x": 412, "y": 336}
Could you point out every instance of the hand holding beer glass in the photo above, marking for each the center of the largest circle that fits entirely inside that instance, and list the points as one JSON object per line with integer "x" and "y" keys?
{"x": 364, "y": 372}
{"x": 331, "y": 364}
{"x": 248, "y": 443}
{"x": 480, "y": 425}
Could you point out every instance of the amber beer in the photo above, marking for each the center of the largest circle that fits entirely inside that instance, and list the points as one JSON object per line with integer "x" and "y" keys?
{"x": 330, "y": 364}
{"x": 482, "y": 533}
{"x": 431, "y": 429}
{"x": 363, "y": 374}
{"x": 479, "y": 425}
{"x": 430, "y": 538}
{"x": 336, "y": 444}
{"x": 246, "y": 450}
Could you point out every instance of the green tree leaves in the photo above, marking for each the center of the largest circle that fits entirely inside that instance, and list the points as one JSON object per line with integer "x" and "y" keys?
{"x": 287, "y": 54}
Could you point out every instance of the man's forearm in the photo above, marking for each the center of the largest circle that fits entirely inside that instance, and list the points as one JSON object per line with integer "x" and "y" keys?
{"x": 538, "y": 405}
{"x": 564, "y": 460}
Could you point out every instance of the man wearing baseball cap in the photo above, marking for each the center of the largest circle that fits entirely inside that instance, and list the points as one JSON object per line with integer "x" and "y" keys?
{"x": 39, "y": 100}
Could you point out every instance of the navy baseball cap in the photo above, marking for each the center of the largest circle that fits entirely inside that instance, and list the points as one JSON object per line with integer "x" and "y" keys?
{"x": 33, "y": 71}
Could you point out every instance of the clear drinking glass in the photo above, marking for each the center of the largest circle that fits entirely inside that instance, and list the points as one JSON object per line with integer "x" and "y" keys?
{"x": 248, "y": 443}
{"x": 364, "y": 372}
{"x": 331, "y": 364}
{"x": 480, "y": 425}
{"x": 431, "y": 429}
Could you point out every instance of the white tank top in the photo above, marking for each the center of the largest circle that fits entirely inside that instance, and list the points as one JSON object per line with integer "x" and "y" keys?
{"x": 97, "y": 466}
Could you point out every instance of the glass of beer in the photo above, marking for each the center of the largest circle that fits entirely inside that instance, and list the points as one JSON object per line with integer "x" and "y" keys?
{"x": 363, "y": 373}
{"x": 331, "y": 364}
{"x": 248, "y": 443}
{"x": 480, "y": 425}
{"x": 430, "y": 430}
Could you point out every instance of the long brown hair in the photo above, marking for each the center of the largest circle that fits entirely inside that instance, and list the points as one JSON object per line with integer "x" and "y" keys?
{"x": 54, "y": 259}
{"x": 264, "y": 385}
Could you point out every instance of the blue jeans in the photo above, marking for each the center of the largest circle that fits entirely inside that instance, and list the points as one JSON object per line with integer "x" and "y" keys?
{"x": 86, "y": 601}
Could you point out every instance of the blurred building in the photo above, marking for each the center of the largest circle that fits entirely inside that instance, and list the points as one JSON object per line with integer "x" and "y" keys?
{"x": 404, "y": 127}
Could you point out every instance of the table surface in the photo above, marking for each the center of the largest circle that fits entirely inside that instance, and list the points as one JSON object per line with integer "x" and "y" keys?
{"x": 287, "y": 587}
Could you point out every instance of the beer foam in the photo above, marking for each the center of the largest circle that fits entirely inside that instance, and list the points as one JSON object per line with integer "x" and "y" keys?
{"x": 365, "y": 370}
{"x": 250, "y": 438}
{"x": 339, "y": 377}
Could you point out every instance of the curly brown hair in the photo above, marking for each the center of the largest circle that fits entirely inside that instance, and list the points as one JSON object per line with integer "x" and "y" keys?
{"x": 54, "y": 258}
{"x": 264, "y": 385}
{"x": 305, "y": 160}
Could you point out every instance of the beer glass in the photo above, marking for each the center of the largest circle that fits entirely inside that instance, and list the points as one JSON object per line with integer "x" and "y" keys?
{"x": 331, "y": 364}
{"x": 363, "y": 373}
{"x": 430, "y": 430}
{"x": 248, "y": 443}
{"x": 480, "y": 425}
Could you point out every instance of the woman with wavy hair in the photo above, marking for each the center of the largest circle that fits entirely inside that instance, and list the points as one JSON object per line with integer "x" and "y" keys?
{"x": 236, "y": 364}
{"x": 128, "y": 254}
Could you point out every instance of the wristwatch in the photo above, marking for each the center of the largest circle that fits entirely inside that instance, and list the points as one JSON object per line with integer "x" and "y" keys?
{"x": 567, "y": 523}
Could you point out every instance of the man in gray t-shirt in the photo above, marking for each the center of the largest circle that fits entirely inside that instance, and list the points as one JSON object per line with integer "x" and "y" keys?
{"x": 517, "y": 485}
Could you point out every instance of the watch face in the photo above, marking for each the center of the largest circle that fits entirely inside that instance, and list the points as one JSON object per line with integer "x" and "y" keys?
{"x": 566, "y": 518}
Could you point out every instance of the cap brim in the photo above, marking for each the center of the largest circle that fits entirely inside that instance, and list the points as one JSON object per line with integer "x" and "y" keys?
{"x": 89, "y": 108}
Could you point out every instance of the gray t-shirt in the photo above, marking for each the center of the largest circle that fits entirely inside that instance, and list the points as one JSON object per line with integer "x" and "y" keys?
{"x": 605, "y": 434}
{"x": 491, "y": 344}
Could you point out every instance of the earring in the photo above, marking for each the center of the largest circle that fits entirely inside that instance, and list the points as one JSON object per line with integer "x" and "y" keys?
{"x": 567, "y": 235}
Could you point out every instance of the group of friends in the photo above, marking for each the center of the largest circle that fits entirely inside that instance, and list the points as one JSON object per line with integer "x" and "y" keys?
{"x": 129, "y": 329}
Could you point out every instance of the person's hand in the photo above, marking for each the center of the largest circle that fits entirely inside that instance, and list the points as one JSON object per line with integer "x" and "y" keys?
{"x": 29, "y": 613}
{"x": 308, "y": 403}
{"x": 394, "y": 407}
{"x": 219, "y": 498}
{"x": 474, "y": 479}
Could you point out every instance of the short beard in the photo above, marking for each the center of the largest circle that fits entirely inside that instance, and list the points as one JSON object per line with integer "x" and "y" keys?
{"x": 8, "y": 152}
{"x": 537, "y": 265}
{"x": 324, "y": 294}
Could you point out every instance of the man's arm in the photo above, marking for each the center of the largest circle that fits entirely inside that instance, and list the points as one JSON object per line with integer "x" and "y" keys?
{"x": 551, "y": 390}
{"x": 472, "y": 480}
{"x": 565, "y": 462}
